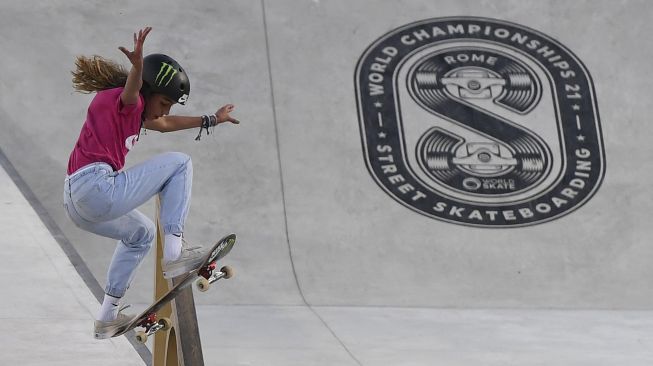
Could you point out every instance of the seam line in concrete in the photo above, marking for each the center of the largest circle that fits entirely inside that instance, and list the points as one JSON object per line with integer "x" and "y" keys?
{"x": 276, "y": 134}
{"x": 283, "y": 193}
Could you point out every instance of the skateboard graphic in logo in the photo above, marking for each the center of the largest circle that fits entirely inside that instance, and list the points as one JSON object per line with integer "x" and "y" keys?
{"x": 499, "y": 150}
{"x": 479, "y": 122}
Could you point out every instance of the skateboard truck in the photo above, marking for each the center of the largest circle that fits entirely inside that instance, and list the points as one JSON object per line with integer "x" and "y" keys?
{"x": 207, "y": 276}
{"x": 152, "y": 325}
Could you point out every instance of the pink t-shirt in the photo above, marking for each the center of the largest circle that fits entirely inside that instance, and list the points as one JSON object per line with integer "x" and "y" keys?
{"x": 110, "y": 131}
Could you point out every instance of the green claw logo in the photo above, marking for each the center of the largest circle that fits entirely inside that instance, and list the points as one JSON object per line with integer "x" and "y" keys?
{"x": 166, "y": 71}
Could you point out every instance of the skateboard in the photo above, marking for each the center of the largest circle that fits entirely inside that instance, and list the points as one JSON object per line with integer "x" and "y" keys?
{"x": 207, "y": 275}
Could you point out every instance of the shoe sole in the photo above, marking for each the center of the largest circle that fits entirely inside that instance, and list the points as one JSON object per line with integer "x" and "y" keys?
{"x": 101, "y": 336}
{"x": 181, "y": 270}
{"x": 174, "y": 273}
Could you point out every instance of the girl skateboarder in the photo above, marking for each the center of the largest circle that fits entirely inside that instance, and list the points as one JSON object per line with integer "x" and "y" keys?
{"x": 101, "y": 198}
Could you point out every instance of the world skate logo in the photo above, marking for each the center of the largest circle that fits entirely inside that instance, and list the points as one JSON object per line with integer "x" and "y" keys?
{"x": 479, "y": 122}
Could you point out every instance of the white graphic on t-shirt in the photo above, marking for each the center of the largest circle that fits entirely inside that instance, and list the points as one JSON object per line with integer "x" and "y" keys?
{"x": 130, "y": 141}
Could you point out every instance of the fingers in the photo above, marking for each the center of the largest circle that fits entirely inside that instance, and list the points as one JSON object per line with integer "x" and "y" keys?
{"x": 142, "y": 34}
{"x": 139, "y": 38}
{"x": 223, "y": 114}
{"x": 226, "y": 108}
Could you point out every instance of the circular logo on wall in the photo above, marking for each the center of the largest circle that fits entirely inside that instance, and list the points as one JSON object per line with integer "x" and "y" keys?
{"x": 479, "y": 122}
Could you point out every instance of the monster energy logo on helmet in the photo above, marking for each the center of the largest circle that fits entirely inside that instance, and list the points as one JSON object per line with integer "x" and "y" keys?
{"x": 163, "y": 75}
{"x": 165, "y": 72}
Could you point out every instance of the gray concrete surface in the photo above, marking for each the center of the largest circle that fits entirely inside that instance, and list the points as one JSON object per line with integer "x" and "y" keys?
{"x": 45, "y": 306}
{"x": 48, "y": 322}
{"x": 448, "y": 337}
{"x": 313, "y": 226}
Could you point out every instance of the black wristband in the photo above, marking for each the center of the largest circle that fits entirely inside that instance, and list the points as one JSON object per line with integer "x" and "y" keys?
{"x": 206, "y": 123}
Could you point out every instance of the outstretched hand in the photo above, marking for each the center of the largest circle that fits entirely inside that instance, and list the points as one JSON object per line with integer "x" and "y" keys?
{"x": 136, "y": 56}
{"x": 223, "y": 114}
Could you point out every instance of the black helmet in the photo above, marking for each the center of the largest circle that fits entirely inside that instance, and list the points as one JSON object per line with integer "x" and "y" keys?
{"x": 163, "y": 75}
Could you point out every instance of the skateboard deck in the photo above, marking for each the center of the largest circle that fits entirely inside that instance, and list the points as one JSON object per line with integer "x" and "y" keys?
{"x": 207, "y": 275}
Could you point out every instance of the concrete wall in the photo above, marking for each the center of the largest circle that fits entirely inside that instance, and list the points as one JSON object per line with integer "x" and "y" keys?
{"x": 291, "y": 180}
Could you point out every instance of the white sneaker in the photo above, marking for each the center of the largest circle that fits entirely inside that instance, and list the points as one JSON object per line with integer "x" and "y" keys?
{"x": 190, "y": 258}
{"x": 104, "y": 330}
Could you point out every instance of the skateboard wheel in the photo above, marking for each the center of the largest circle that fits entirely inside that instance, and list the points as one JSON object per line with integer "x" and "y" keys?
{"x": 203, "y": 284}
{"x": 228, "y": 271}
{"x": 141, "y": 337}
{"x": 167, "y": 324}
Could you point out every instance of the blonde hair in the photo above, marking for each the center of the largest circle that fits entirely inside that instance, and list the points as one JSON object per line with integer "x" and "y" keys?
{"x": 93, "y": 74}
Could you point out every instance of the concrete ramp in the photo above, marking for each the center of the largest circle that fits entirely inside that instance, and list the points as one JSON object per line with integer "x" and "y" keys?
{"x": 395, "y": 159}
{"x": 46, "y": 305}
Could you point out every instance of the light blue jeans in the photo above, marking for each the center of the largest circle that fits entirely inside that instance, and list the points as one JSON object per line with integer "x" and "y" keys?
{"x": 104, "y": 202}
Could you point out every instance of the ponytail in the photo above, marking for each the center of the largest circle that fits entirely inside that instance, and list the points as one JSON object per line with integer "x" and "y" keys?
{"x": 93, "y": 74}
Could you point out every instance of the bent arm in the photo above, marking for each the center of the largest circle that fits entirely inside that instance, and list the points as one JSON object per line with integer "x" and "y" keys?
{"x": 133, "y": 86}
{"x": 134, "y": 82}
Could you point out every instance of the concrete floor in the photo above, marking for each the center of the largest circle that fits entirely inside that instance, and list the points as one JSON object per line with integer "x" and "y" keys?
{"x": 331, "y": 270}
{"x": 265, "y": 335}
